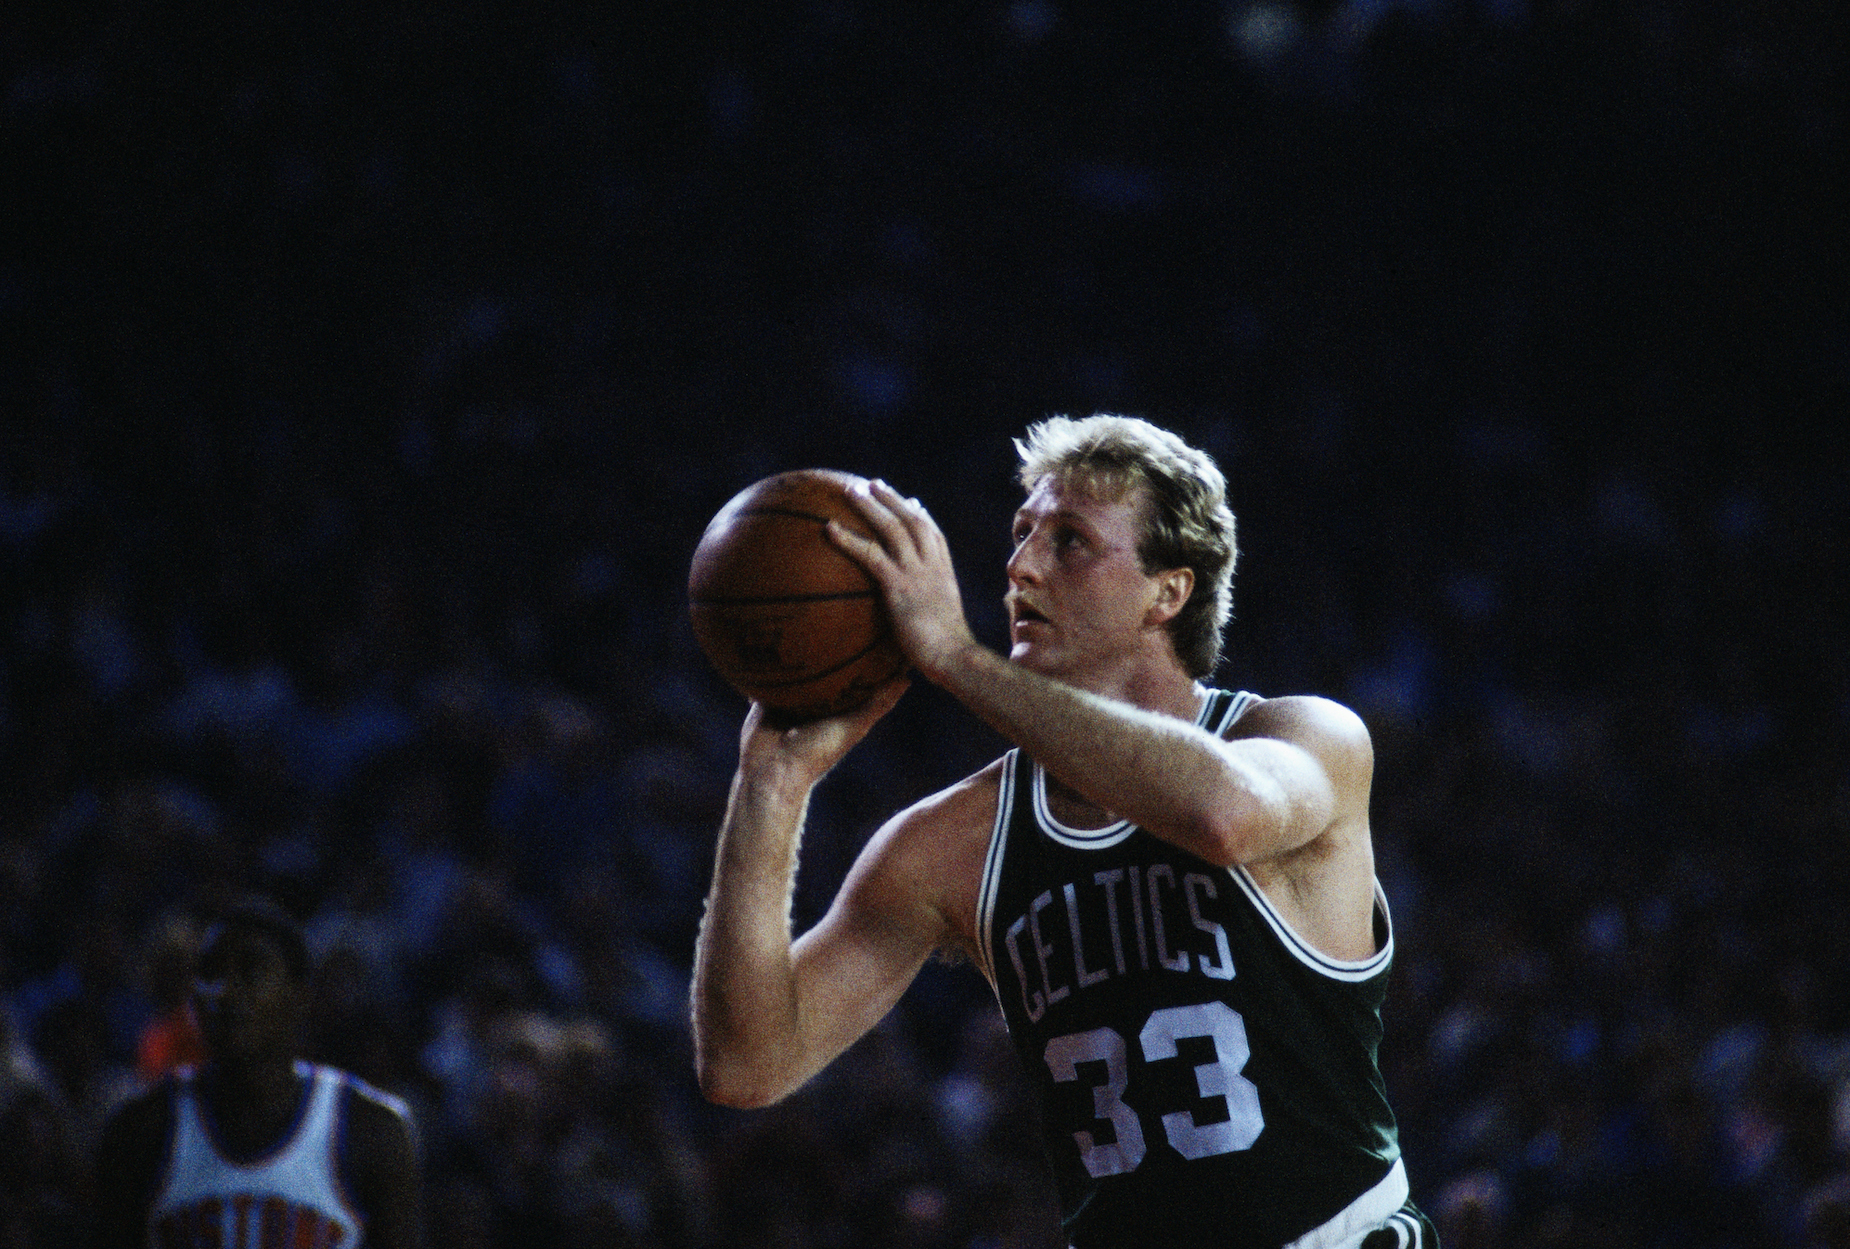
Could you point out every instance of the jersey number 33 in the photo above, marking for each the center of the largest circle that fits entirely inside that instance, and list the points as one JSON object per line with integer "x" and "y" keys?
{"x": 1215, "y": 1021}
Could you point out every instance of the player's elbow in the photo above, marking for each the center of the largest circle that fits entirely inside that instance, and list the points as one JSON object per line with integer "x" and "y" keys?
{"x": 724, "y": 1087}
{"x": 734, "y": 1094}
{"x": 727, "y": 1080}
{"x": 1227, "y": 839}
{"x": 1251, "y": 824}
{"x": 742, "y": 1057}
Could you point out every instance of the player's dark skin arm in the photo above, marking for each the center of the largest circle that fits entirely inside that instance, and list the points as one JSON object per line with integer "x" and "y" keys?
{"x": 128, "y": 1165}
{"x": 382, "y": 1161}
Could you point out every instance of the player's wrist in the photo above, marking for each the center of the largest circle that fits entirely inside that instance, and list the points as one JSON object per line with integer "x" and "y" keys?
{"x": 776, "y": 777}
{"x": 958, "y": 665}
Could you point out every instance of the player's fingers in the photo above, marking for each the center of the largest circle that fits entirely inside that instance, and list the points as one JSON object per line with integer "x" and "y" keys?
{"x": 907, "y": 508}
{"x": 875, "y": 511}
{"x": 893, "y": 517}
{"x": 909, "y": 511}
{"x": 868, "y": 551}
{"x": 902, "y": 504}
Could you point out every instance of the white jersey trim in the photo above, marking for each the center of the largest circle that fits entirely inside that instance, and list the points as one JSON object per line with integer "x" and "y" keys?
{"x": 1078, "y": 838}
{"x": 1370, "y": 1212}
{"x": 992, "y": 864}
{"x": 303, "y": 1167}
{"x": 1308, "y": 954}
{"x": 1111, "y": 834}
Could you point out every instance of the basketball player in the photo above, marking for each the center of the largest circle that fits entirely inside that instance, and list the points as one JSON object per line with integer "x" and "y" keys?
{"x": 1171, "y": 887}
{"x": 257, "y": 1148}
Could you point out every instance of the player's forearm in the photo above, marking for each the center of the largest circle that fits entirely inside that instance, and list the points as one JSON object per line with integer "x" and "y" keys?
{"x": 1158, "y": 771}
{"x": 744, "y": 989}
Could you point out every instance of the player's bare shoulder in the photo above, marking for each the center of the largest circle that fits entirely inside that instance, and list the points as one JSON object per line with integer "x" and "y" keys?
{"x": 1333, "y": 733}
{"x": 144, "y": 1120}
{"x": 935, "y": 849}
{"x": 382, "y": 1120}
{"x": 1324, "y": 887}
{"x": 383, "y": 1160}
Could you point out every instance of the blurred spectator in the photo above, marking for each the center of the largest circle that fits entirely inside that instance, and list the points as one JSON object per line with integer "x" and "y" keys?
{"x": 171, "y": 1037}
{"x": 43, "y": 1199}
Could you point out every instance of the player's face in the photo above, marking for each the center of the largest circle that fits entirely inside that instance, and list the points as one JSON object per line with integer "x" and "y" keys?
{"x": 1078, "y": 597}
{"x": 248, "y": 1004}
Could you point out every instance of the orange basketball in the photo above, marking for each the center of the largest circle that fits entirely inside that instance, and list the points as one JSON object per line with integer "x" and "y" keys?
{"x": 782, "y": 614}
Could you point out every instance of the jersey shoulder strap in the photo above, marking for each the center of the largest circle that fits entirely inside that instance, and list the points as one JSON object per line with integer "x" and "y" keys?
{"x": 1008, "y": 786}
{"x": 1224, "y": 709}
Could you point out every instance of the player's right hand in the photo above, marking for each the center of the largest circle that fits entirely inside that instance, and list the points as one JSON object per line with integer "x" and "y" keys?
{"x": 911, "y": 560}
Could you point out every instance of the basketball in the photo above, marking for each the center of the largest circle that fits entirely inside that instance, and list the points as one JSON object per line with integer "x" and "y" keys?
{"x": 785, "y": 617}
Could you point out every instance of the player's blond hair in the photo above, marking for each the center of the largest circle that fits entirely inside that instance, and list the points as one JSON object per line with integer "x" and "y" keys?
{"x": 1188, "y": 524}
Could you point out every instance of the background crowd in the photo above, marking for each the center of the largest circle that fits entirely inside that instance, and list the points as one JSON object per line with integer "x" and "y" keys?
{"x": 370, "y": 371}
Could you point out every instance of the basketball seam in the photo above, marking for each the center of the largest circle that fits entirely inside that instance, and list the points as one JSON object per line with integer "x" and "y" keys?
{"x": 806, "y": 679}
{"x": 786, "y": 511}
{"x": 745, "y": 600}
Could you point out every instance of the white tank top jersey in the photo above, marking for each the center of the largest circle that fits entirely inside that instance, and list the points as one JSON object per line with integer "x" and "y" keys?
{"x": 291, "y": 1196}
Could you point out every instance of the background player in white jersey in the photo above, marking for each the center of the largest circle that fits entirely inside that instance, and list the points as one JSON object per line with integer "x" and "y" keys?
{"x": 1225, "y": 1095}
{"x": 257, "y": 1147}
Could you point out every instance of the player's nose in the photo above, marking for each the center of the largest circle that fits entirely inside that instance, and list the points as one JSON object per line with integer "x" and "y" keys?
{"x": 1023, "y": 563}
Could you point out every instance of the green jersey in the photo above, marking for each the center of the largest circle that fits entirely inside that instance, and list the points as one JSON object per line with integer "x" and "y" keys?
{"x": 1205, "y": 1078}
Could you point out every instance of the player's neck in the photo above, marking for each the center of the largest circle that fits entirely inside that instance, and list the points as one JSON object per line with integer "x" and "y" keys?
{"x": 253, "y": 1099}
{"x": 1154, "y": 683}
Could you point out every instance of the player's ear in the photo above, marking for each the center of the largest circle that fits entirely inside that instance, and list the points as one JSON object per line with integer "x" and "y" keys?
{"x": 1173, "y": 586}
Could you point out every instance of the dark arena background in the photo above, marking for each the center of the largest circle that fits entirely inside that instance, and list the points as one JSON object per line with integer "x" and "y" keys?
{"x": 368, "y": 371}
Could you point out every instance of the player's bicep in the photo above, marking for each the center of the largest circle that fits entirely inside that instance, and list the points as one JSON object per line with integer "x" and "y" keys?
{"x": 898, "y": 905}
{"x": 889, "y": 916}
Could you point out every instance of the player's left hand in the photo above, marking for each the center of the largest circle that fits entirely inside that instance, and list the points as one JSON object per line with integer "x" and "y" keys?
{"x": 910, "y": 559}
{"x": 812, "y": 746}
